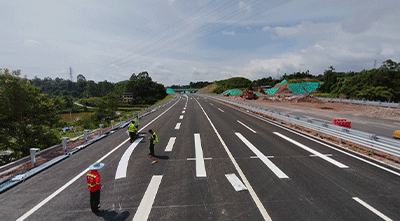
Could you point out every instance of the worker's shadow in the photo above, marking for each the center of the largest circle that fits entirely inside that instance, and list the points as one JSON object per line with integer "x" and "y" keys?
{"x": 112, "y": 215}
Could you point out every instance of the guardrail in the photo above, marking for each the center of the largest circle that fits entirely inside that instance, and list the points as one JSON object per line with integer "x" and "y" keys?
{"x": 372, "y": 141}
{"x": 362, "y": 102}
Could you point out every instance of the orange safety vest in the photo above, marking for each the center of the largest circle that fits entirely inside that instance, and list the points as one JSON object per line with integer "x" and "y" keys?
{"x": 93, "y": 180}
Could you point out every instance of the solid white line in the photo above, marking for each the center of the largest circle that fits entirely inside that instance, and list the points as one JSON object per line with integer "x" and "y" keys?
{"x": 200, "y": 167}
{"x": 205, "y": 158}
{"x": 330, "y": 160}
{"x": 256, "y": 157}
{"x": 170, "y": 144}
{"x": 143, "y": 211}
{"x": 27, "y": 214}
{"x": 236, "y": 183}
{"x": 372, "y": 209}
{"x": 263, "y": 158}
{"x": 183, "y": 112}
{"x": 246, "y": 126}
{"x": 123, "y": 163}
{"x": 328, "y": 155}
{"x": 181, "y": 117}
{"x": 220, "y": 110}
{"x": 178, "y": 125}
{"x": 253, "y": 194}
{"x": 317, "y": 141}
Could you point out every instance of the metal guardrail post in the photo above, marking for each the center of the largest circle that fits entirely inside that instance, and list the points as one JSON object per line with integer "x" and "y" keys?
{"x": 127, "y": 117}
{"x": 85, "y": 132}
{"x": 101, "y": 128}
{"x": 65, "y": 139}
{"x": 112, "y": 124}
{"x": 120, "y": 121}
{"x": 34, "y": 151}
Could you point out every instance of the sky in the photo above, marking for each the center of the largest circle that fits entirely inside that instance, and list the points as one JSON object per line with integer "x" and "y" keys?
{"x": 178, "y": 41}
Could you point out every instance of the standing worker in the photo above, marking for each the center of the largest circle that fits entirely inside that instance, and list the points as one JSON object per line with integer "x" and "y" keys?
{"x": 132, "y": 131}
{"x": 93, "y": 182}
{"x": 153, "y": 140}
{"x": 137, "y": 123}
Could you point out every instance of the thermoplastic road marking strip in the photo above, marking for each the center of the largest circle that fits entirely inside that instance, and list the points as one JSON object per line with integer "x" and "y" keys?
{"x": 246, "y": 126}
{"x": 263, "y": 158}
{"x": 200, "y": 167}
{"x": 170, "y": 144}
{"x": 181, "y": 117}
{"x": 253, "y": 194}
{"x": 143, "y": 211}
{"x": 27, "y": 214}
{"x": 220, "y": 110}
{"x": 372, "y": 209}
{"x": 183, "y": 112}
{"x": 123, "y": 163}
{"x": 332, "y": 161}
{"x": 236, "y": 183}
{"x": 178, "y": 125}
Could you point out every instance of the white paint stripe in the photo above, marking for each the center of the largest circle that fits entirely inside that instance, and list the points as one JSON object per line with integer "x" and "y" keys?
{"x": 220, "y": 110}
{"x": 332, "y": 161}
{"x": 170, "y": 144}
{"x": 236, "y": 183}
{"x": 396, "y": 123}
{"x": 184, "y": 108}
{"x": 27, "y": 214}
{"x": 256, "y": 157}
{"x": 143, "y": 211}
{"x": 246, "y": 126}
{"x": 181, "y": 117}
{"x": 200, "y": 167}
{"x": 372, "y": 209}
{"x": 253, "y": 194}
{"x": 328, "y": 155}
{"x": 178, "y": 125}
{"x": 263, "y": 158}
{"x": 183, "y": 112}
{"x": 205, "y": 158}
{"x": 211, "y": 103}
{"x": 123, "y": 163}
{"x": 317, "y": 141}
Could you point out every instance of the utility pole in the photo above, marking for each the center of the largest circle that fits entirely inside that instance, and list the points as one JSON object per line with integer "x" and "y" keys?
{"x": 375, "y": 63}
{"x": 70, "y": 73}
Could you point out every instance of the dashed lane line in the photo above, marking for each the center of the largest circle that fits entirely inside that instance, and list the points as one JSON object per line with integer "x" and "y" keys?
{"x": 170, "y": 144}
{"x": 200, "y": 167}
{"x": 244, "y": 125}
{"x": 181, "y": 117}
{"x": 221, "y": 110}
{"x": 178, "y": 125}
{"x": 144, "y": 209}
{"x": 372, "y": 209}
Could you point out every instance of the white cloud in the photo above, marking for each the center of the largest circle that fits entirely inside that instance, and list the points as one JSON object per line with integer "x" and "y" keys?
{"x": 267, "y": 28}
{"x": 31, "y": 41}
{"x": 231, "y": 33}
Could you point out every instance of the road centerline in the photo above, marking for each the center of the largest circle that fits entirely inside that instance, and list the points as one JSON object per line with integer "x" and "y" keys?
{"x": 178, "y": 125}
{"x": 170, "y": 144}
{"x": 244, "y": 125}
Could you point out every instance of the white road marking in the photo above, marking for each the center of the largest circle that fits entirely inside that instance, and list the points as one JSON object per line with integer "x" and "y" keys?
{"x": 328, "y": 155}
{"x": 181, "y": 117}
{"x": 143, "y": 211}
{"x": 246, "y": 126}
{"x": 220, "y": 110}
{"x": 372, "y": 209}
{"x": 178, "y": 125}
{"x": 184, "y": 108}
{"x": 317, "y": 119}
{"x": 183, "y": 112}
{"x": 236, "y": 183}
{"x": 256, "y": 157}
{"x": 263, "y": 158}
{"x": 200, "y": 167}
{"x": 396, "y": 123}
{"x": 332, "y": 161}
{"x": 253, "y": 194}
{"x": 27, "y": 214}
{"x": 123, "y": 163}
{"x": 205, "y": 158}
{"x": 211, "y": 103}
{"x": 170, "y": 144}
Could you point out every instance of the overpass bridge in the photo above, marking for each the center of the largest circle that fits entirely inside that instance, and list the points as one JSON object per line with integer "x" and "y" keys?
{"x": 189, "y": 90}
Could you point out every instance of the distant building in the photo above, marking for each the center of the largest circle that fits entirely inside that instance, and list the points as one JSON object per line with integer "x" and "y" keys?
{"x": 126, "y": 97}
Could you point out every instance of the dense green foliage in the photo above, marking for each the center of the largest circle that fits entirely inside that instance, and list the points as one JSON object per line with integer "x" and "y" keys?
{"x": 26, "y": 116}
{"x": 192, "y": 85}
{"x": 144, "y": 90}
{"x": 236, "y": 82}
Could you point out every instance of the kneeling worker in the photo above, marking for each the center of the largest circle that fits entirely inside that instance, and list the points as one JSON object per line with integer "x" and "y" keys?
{"x": 93, "y": 182}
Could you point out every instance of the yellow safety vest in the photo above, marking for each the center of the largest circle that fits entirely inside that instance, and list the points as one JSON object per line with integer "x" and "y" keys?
{"x": 137, "y": 121}
{"x": 131, "y": 128}
{"x": 155, "y": 138}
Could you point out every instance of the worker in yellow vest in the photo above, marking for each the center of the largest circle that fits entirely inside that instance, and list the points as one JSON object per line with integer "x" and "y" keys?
{"x": 153, "y": 140}
{"x": 136, "y": 122}
{"x": 132, "y": 131}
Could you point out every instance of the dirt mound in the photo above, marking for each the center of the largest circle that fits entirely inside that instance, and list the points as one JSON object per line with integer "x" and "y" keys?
{"x": 307, "y": 99}
{"x": 207, "y": 90}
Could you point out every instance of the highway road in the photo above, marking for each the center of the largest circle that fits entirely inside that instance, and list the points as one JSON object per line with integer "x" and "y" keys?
{"x": 214, "y": 163}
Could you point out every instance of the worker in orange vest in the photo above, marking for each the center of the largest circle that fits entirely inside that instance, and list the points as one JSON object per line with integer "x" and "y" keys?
{"x": 94, "y": 185}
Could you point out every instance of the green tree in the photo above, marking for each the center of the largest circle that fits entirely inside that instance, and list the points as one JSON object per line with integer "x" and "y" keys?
{"x": 26, "y": 116}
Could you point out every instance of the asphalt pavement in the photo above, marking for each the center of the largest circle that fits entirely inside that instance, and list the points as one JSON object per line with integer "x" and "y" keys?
{"x": 213, "y": 163}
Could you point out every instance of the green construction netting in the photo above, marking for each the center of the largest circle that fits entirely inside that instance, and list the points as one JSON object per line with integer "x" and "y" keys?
{"x": 232, "y": 92}
{"x": 258, "y": 94}
{"x": 298, "y": 87}
{"x": 170, "y": 91}
{"x": 272, "y": 91}
{"x": 284, "y": 81}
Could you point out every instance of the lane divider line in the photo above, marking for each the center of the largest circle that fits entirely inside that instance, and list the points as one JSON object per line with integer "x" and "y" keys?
{"x": 181, "y": 117}
{"x": 278, "y": 172}
{"x": 314, "y": 152}
{"x": 328, "y": 155}
{"x": 123, "y": 163}
{"x": 178, "y": 125}
{"x": 372, "y": 209}
{"x": 183, "y": 112}
{"x": 144, "y": 209}
{"x": 200, "y": 167}
{"x": 236, "y": 183}
{"x": 170, "y": 144}
{"x": 246, "y": 126}
{"x": 253, "y": 194}
{"x": 220, "y": 110}
{"x": 27, "y": 214}
{"x": 256, "y": 157}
